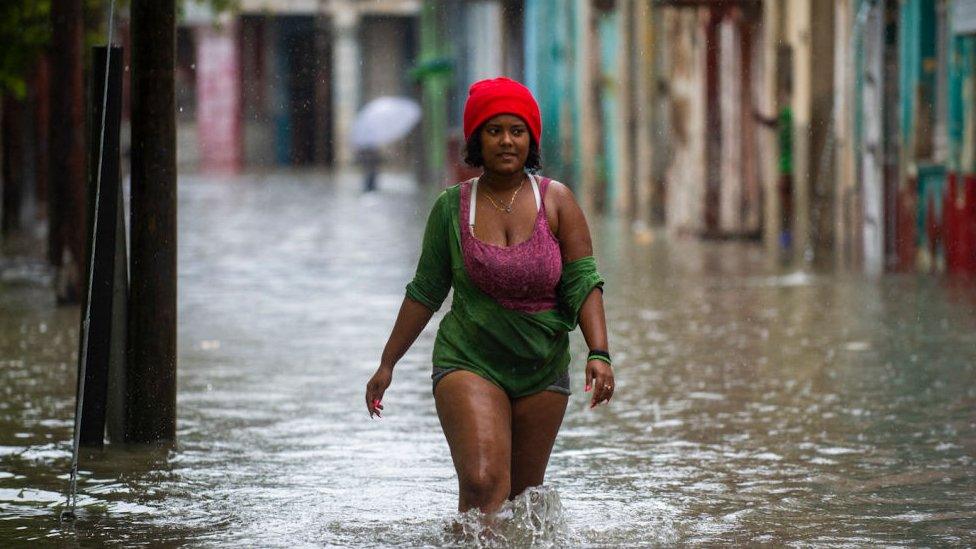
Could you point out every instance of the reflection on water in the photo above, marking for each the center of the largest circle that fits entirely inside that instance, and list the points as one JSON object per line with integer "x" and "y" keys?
{"x": 754, "y": 405}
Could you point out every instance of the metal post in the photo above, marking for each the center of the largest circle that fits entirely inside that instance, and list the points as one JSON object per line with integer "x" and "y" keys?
{"x": 100, "y": 337}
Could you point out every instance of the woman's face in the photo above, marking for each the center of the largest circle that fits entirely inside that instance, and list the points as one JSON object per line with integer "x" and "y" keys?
{"x": 505, "y": 144}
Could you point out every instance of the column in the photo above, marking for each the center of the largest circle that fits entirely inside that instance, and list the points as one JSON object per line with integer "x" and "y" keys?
{"x": 346, "y": 79}
{"x": 798, "y": 25}
{"x": 586, "y": 144}
{"x": 770, "y": 106}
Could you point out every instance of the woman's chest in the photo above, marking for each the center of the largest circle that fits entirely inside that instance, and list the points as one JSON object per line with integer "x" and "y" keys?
{"x": 496, "y": 227}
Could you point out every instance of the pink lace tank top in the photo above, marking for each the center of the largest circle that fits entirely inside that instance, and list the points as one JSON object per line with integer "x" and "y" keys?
{"x": 523, "y": 276}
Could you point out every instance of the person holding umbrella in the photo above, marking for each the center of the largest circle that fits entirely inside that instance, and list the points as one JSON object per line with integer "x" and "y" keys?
{"x": 516, "y": 249}
{"x": 381, "y": 122}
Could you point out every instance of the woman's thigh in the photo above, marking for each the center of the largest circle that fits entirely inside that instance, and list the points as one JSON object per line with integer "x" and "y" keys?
{"x": 476, "y": 416}
{"x": 535, "y": 423}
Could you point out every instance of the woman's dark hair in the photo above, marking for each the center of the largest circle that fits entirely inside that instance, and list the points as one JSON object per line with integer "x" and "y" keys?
{"x": 473, "y": 158}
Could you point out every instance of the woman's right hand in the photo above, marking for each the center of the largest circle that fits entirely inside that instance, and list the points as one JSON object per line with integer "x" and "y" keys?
{"x": 375, "y": 388}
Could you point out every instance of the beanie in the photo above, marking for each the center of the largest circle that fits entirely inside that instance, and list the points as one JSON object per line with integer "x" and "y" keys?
{"x": 494, "y": 96}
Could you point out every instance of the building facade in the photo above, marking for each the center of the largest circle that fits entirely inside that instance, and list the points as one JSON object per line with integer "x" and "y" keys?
{"x": 835, "y": 132}
{"x": 279, "y": 83}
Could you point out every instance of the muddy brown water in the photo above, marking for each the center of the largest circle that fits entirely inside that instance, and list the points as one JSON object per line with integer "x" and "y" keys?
{"x": 755, "y": 404}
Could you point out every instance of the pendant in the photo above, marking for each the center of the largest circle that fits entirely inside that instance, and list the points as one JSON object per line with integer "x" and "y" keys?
{"x": 508, "y": 209}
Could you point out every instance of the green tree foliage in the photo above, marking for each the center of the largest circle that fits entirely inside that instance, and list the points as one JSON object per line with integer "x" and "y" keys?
{"x": 25, "y": 29}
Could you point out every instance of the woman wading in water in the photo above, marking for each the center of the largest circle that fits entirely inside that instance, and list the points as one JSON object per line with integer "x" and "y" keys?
{"x": 516, "y": 249}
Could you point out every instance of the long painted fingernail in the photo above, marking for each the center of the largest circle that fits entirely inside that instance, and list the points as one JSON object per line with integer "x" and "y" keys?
{"x": 587, "y": 390}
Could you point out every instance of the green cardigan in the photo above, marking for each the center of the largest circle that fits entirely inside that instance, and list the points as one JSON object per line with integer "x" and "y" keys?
{"x": 522, "y": 353}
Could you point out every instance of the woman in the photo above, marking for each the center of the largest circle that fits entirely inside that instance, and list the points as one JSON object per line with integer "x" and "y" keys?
{"x": 522, "y": 268}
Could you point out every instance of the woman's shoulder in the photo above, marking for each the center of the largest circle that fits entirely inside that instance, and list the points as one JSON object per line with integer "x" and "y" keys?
{"x": 447, "y": 192}
{"x": 444, "y": 200}
{"x": 558, "y": 192}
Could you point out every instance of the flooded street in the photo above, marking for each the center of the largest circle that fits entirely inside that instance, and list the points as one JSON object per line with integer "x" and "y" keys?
{"x": 754, "y": 405}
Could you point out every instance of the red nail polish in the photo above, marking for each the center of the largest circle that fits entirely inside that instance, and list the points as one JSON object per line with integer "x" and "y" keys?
{"x": 587, "y": 390}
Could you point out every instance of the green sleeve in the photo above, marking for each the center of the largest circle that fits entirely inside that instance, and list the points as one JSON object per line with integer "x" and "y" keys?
{"x": 432, "y": 280}
{"x": 579, "y": 278}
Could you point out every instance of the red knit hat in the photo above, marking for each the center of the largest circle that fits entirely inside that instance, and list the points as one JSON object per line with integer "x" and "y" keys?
{"x": 494, "y": 96}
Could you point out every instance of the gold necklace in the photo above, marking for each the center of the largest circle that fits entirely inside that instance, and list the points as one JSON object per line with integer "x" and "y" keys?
{"x": 506, "y": 209}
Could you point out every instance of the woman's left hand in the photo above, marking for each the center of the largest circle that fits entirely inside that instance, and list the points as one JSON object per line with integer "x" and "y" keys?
{"x": 599, "y": 377}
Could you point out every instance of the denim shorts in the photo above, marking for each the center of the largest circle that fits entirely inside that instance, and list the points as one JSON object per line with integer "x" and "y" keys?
{"x": 560, "y": 385}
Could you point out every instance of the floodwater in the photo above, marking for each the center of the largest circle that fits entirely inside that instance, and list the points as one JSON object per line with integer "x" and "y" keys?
{"x": 754, "y": 404}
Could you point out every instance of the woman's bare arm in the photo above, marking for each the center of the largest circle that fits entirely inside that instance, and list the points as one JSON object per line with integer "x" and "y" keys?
{"x": 425, "y": 294}
{"x": 410, "y": 321}
{"x": 575, "y": 242}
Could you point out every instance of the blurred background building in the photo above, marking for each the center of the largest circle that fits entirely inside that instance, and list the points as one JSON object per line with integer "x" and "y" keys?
{"x": 838, "y": 131}
{"x": 834, "y": 131}
{"x": 278, "y": 82}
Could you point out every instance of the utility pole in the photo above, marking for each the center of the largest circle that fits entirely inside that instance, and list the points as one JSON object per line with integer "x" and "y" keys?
{"x": 151, "y": 376}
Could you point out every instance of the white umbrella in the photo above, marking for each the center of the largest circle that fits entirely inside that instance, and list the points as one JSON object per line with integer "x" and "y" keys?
{"x": 384, "y": 120}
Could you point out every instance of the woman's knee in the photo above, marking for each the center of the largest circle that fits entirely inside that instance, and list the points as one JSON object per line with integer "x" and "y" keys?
{"x": 483, "y": 488}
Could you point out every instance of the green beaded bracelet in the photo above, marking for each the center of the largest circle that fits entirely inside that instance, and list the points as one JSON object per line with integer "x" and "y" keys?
{"x": 599, "y": 357}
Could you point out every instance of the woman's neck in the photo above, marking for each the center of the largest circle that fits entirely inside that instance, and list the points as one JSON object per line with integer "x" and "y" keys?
{"x": 501, "y": 182}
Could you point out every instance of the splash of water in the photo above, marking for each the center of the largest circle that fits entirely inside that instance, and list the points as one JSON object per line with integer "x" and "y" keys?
{"x": 533, "y": 519}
